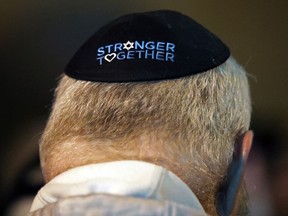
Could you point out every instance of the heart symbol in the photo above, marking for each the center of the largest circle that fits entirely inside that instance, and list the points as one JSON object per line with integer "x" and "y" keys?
{"x": 110, "y": 57}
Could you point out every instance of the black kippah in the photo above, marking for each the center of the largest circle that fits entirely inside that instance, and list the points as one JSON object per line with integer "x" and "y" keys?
{"x": 147, "y": 46}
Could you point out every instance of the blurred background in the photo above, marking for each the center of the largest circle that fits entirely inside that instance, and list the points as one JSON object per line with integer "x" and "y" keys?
{"x": 37, "y": 39}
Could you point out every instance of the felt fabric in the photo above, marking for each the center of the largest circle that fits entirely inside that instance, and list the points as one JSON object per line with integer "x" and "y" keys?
{"x": 148, "y": 46}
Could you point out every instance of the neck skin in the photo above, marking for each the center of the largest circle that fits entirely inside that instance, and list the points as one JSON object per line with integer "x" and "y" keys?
{"x": 148, "y": 149}
{"x": 77, "y": 152}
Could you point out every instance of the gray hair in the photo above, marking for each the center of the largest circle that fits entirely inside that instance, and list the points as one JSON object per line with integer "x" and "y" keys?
{"x": 195, "y": 118}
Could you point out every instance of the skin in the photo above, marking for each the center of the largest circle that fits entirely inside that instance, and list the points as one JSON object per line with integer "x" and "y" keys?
{"x": 229, "y": 194}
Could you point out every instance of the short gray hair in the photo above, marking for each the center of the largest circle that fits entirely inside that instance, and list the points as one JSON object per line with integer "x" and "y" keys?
{"x": 197, "y": 118}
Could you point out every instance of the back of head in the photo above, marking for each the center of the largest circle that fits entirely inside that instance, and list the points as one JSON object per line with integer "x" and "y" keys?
{"x": 188, "y": 125}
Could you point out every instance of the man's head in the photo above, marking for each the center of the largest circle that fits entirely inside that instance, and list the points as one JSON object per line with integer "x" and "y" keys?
{"x": 188, "y": 124}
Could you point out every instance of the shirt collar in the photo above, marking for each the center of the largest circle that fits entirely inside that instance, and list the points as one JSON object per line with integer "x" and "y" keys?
{"x": 127, "y": 178}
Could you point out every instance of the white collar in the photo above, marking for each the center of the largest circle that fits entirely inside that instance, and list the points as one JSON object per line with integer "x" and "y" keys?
{"x": 127, "y": 178}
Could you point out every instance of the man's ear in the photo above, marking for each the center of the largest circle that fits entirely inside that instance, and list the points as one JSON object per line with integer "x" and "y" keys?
{"x": 228, "y": 192}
